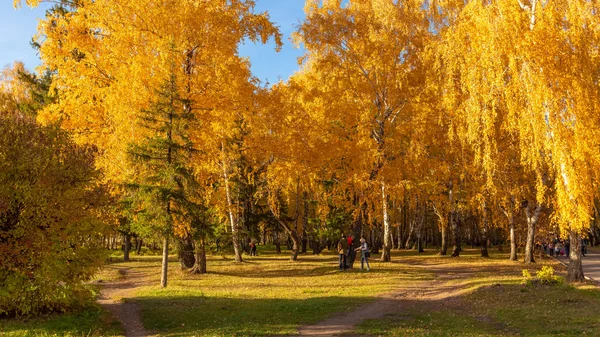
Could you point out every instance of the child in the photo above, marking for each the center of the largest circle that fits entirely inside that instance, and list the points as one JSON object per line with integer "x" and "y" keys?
{"x": 364, "y": 253}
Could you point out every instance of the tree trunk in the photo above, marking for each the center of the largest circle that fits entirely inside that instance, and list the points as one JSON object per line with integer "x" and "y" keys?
{"x": 200, "y": 263}
{"x": 456, "y": 230}
{"x": 295, "y": 240}
{"x": 399, "y": 238}
{"x": 532, "y": 220}
{"x": 277, "y": 242}
{"x": 575, "y": 269}
{"x": 138, "y": 246}
{"x": 305, "y": 222}
{"x": 295, "y": 245}
{"x": 420, "y": 243}
{"x": 444, "y": 247}
{"x": 444, "y": 220}
{"x": 484, "y": 240}
{"x": 484, "y": 233}
{"x": 316, "y": 246}
{"x": 386, "y": 255}
{"x": 165, "y": 262}
{"x": 510, "y": 216}
{"x": 293, "y": 235}
{"x": 126, "y": 246}
{"x": 513, "y": 240}
{"x": 411, "y": 229}
{"x": 185, "y": 252}
{"x": 421, "y": 209}
{"x": 232, "y": 218}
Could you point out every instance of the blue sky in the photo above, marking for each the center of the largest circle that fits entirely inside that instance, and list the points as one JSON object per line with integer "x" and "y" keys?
{"x": 18, "y": 27}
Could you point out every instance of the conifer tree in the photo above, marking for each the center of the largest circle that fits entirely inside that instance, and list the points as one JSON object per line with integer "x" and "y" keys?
{"x": 164, "y": 183}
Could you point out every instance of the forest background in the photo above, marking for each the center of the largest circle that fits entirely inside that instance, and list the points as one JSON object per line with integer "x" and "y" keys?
{"x": 411, "y": 123}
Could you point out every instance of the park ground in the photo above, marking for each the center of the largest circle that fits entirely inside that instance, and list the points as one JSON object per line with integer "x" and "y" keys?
{"x": 268, "y": 295}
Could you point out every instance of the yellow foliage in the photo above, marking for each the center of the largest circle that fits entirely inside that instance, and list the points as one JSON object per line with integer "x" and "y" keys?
{"x": 529, "y": 72}
{"x": 111, "y": 57}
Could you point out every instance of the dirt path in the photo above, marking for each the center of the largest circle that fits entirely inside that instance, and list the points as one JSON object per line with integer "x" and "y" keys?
{"x": 390, "y": 303}
{"x": 113, "y": 297}
{"x": 591, "y": 264}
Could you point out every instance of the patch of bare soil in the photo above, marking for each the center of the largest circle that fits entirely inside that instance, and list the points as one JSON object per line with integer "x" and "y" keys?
{"x": 113, "y": 297}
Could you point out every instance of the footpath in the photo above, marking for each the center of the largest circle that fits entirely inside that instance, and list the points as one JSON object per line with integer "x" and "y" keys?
{"x": 590, "y": 262}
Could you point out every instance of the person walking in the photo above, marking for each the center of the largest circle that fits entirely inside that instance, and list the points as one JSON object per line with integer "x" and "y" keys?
{"x": 342, "y": 248}
{"x": 364, "y": 254}
{"x": 351, "y": 254}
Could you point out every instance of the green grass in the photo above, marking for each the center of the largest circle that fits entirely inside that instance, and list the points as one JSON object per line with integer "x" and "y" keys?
{"x": 269, "y": 295}
{"x": 421, "y": 323}
{"x": 91, "y": 321}
{"x": 506, "y": 310}
{"x": 266, "y": 295}
{"x": 497, "y": 304}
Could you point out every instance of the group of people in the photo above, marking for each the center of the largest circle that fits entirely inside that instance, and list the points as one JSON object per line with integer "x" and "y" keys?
{"x": 558, "y": 247}
{"x": 345, "y": 249}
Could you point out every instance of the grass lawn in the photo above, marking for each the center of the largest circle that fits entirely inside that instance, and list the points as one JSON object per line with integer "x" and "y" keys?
{"x": 266, "y": 295}
{"x": 498, "y": 304}
{"x": 269, "y": 295}
{"x": 504, "y": 310}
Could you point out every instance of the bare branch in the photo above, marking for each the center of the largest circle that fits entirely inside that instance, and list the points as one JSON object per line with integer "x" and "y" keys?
{"x": 524, "y": 6}
{"x": 532, "y": 24}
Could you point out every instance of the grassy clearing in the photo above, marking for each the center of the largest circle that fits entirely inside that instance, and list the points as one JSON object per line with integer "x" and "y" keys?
{"x": 269, "y": 295}
{"x": 495, "y": 303}
{"x": 505, "y": 310}
{"x": 266, "y": 295}
{"x": 92, "y": 321}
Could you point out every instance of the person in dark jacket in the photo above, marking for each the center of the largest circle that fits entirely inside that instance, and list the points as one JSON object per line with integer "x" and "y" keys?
{"x": 342, "y": 248}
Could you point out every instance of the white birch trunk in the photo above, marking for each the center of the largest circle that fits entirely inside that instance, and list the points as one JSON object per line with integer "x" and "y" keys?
{"x": 232, "y": 217}
{"x": 386, "y": 254}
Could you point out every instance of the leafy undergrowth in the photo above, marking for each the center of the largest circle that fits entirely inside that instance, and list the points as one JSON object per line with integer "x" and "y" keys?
{"x": 92, "y": 321}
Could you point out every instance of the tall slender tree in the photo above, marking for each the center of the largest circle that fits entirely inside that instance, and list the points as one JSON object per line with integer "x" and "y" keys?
{"x": 164, "y": 178}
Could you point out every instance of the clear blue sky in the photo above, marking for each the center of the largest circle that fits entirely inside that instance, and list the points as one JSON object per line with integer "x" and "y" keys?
{"x": 19, "y": 26}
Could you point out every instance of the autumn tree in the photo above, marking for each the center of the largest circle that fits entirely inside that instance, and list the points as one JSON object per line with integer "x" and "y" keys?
{"x": 164, "y": 180}
{"x": 51, "y": 218}
{"x": 529, "y": 57}
{"x": 24, "y": 92}
{"x": 365, "y": 55}
{"x": 110, "y": 57}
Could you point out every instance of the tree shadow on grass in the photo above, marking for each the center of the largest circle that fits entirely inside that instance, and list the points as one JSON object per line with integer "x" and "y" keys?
{"x": 320, "y": 271}
{"x": 497, "y": 310}
{"x": 218, "y": 316}
{"x": 494, "y": 310}
{"x": 277, "y": 273}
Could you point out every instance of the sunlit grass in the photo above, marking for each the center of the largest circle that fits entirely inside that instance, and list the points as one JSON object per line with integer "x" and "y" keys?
{"x": 494, "y": 302}
{"x": 266, "y": 295}
{"x": 502, "y": 310}
{"x": 270, "y": 295}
